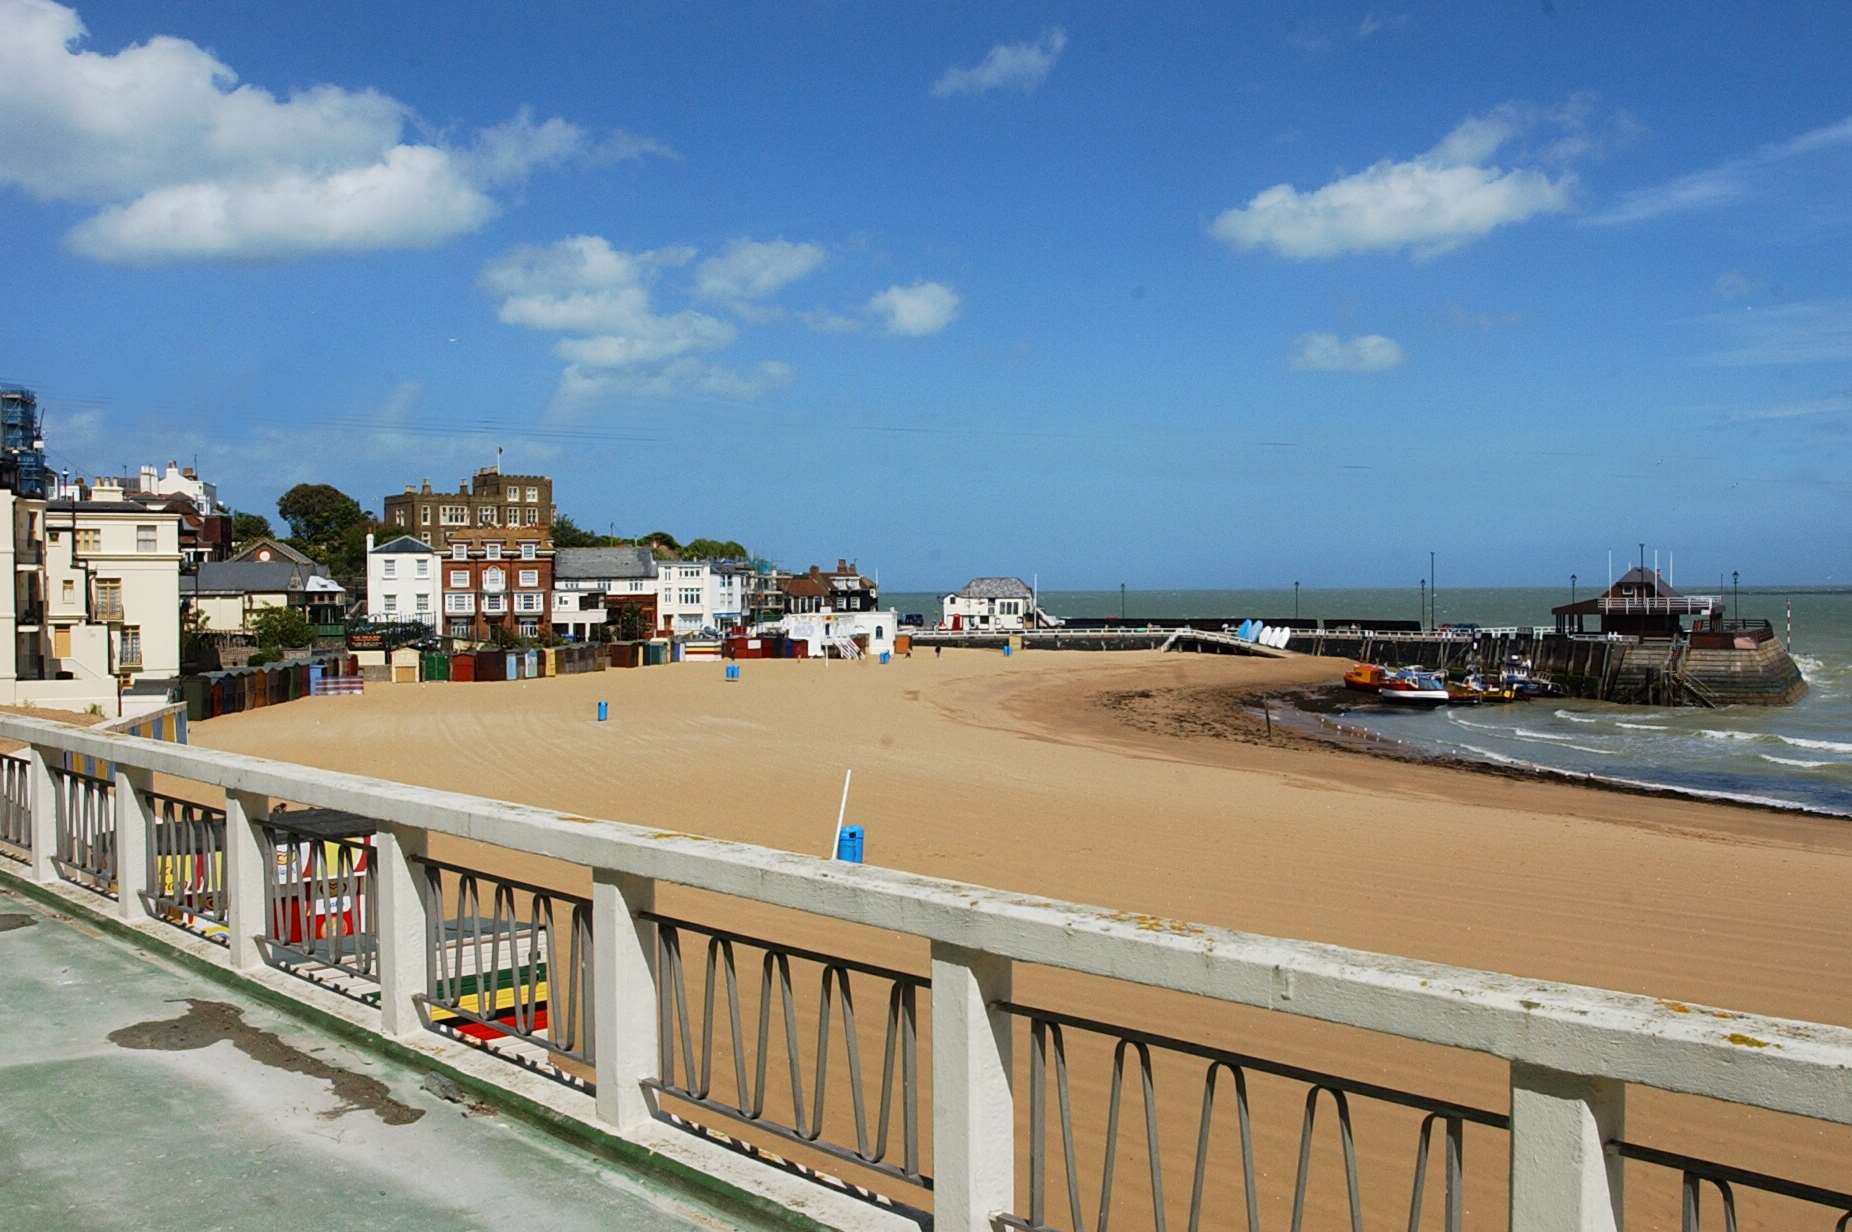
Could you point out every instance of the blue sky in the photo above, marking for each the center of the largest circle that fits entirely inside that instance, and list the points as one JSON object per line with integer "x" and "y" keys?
{"x": 1192, "y": 297}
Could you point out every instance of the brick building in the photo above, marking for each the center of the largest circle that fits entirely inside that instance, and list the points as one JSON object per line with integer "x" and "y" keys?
{"x": 496, "y": 576}
{"x": 489, "y": 499}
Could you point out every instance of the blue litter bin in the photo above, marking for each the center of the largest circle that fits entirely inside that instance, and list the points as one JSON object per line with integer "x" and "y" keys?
{"x": 884, "y": 656}
{"x": 604, "y": 711}
{"x": 733, "y": 671}
{"x": 1006, "y": 650}
{"x": 849, "y": 845}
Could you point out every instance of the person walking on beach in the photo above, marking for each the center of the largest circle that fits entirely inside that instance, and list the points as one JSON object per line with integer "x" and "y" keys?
{"x": 937, "y": 651}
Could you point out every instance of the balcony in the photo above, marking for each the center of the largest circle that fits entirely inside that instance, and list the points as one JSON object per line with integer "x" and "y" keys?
{"x": 1053, "y": 1096}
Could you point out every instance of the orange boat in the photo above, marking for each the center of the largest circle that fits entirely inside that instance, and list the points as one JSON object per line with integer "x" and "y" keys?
{"x": 1366, "y": 678}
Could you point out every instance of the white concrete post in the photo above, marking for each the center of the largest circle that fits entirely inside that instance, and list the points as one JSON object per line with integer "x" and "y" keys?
{"x": 1562, "y": 1178}
{"x": 134, "y": 826}
{"x": 250, "y": 866}
{"x": 403, "y": 926}
{"x": 623, "y": 993}
{"x": 42, "y": 791}
{"x": 973, "y": 1111}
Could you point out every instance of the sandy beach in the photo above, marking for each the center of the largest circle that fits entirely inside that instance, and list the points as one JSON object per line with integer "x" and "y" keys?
{"x": 1106, "y": 779}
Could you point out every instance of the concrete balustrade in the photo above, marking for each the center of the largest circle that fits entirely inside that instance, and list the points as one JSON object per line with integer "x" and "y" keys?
{"x": 1572, "y": 1049}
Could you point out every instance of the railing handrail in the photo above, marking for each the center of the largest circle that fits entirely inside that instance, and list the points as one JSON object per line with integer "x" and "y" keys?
{"x": 1778, "y": 1064}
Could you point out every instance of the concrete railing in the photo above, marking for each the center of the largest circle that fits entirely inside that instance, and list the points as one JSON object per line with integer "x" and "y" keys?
{"x": 1572, "y": 1051}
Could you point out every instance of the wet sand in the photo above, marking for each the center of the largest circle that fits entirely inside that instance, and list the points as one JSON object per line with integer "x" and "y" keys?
{"x": 1049, "y": 773}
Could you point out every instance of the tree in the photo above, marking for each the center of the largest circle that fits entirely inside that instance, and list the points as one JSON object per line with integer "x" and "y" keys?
{"x": 569, "y": 534}
{"x": 282, "y": 627}
{"x": 630, "y": 623}
{"x": 320, "y": 513}
{"x": 714, "y": 549}
{"x": 248, "y": 526}
{"x": 662, "y": 540}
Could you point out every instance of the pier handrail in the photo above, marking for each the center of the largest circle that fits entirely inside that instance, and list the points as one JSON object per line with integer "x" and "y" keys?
{"x": 1572, "y": 1049}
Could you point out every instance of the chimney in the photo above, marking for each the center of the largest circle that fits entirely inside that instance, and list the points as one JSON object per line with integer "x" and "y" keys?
{"x": 427, "y": 488}
{"x": 369, "y": 541}
{"x": 842, "y": 566}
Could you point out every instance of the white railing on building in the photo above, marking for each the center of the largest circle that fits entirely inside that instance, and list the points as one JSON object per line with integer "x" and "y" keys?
{"x": 1572, "y": 1050}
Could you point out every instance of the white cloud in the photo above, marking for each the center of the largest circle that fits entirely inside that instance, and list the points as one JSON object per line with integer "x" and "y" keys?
{"x": 1732, "y": 180}
{"x": 824, "y": 321}
{"x": 1008, "y": 66}
{"x": 583, "y": 286}
{"x": 916, "y": 310}
{"x": 1377, "y": 23}
{"x": 1430, "y": 204}
{"x": 747, "y": 270}
{"x": 684, "y": 377}
{"x": 1330, "y": 353}
{"x": 1812, "y": 332}
{"x": 185, "y": 162}
{"x": 1731, "y": 284}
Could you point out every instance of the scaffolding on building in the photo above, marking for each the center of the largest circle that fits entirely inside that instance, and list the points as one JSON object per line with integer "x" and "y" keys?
{"x": 22, "y": 441}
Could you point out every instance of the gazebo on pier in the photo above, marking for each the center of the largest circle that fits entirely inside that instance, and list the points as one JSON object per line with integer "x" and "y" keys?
{"x": 1640, "y": 604}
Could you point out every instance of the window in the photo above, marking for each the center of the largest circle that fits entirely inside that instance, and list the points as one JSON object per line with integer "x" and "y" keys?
{"x": 459, "y": 605}
{"x": 533, "y": 494}
{"x": 494, "y": 579}
{"x": 485, "y": 515}
{"x": 70, "y": 591}
{"x": 690, "y": 596}
{"x": 494, "y": 605}
{"x": 90, "y": 540}
{"x": 530, "y": 628}
{"x": 514, "y": 516}
{"x": 454, "y": 515}
{"x": 109, "y": 597}
{"x": 423, "y": 604}
{"x": 527, "y": 602}
{"x": 459, "y": 628}
{"x": 531, "y": 517}
{"x": 424, "y": 567}
{"x": 389, "y": 604}
{"x": 424, "y": 515}
{"x": 459, "y": 551}
{"x": 145, "y": 539}
{"x": 529, "y": 577}
{"x": 528, "y": 550}
{"x": 389, "y": 568}
{"x": 493, "y": 551}
{"x": 131, "y": 646}
{"x": 398, "y": 517}
{"x": 459, "y": 579}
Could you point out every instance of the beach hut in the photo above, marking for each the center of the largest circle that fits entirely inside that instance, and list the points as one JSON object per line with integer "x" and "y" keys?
{"x": 463, "y": 666}
{"x": 195, "y": 690}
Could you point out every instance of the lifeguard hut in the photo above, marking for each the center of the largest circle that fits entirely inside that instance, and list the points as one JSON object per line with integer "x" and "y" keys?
{"x": 1641, "y": 604}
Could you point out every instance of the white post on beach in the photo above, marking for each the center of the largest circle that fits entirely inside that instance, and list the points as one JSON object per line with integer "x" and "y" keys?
{"x": 1563, "y": 1179}
{"x": 250, "y": 862}
{"x": 842, "y": 811}
{"x": 974, "y": 1111}
{"x": 42, "y": 804}
{"x": 403, "y": 927}
{"x": 624, "y": 997}
{"x": 134, "y": 827}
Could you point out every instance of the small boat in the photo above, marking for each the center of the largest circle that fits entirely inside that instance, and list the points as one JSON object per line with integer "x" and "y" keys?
{"x": 1473, "y": 690}
{"x": 1518, "y": 678}
{"x": 1366, "y": 678}
{"x": 1412, "y": 687}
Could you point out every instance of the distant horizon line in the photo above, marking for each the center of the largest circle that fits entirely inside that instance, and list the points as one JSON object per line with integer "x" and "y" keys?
{"x": 1794, "y": 588}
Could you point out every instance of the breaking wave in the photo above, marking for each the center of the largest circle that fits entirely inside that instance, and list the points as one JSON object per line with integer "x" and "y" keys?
{"x": 1575, "y": 718}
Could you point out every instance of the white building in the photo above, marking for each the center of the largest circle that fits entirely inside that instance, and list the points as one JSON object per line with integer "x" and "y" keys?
{"x": 990, "y": 603}
{"x": 824, "y": 632}
{"x": 692, "y": 595}
{"x": 92, "y": 617}
{"x": 404, "y": 581}
{"x": 179, "y": 480}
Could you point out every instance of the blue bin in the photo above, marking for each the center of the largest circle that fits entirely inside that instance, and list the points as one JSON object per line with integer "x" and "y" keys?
{"x": 849, "y": 845}
{"x": 1006, "y": 650}
{"x": 884, "y": 656}
{"x": 733, "y": 671}
{"x": 604, "y": 711}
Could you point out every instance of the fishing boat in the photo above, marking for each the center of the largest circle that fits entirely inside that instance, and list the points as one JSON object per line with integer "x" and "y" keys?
{"x": 1518, "y": 678}
{"x": 1366, "y": 678}
{"x": 1473, "y": 690}
{"x": 1414, "y": 687}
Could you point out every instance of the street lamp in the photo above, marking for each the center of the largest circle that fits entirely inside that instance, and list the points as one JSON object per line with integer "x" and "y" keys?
{"x": 1295, "y": 600}
{"x": 1572, "y": 588}
{"x": 1424, "y": 603}
{"x": 1122, "y": 601}
{"x": 1735, "y": 599}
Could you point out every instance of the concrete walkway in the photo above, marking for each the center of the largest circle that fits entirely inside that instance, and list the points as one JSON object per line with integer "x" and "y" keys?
{"x": 134, "y": 1095}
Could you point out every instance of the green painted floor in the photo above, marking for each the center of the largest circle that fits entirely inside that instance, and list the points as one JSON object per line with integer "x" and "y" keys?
{"x": 134, "y": 1095}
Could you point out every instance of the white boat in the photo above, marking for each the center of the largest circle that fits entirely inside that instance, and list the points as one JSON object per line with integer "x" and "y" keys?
{"x": 1409, "y": 687}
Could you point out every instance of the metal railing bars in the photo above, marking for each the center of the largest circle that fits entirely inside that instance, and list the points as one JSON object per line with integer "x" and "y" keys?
{"x": 477, "y": 963}
{"x": 1726, "y": 1179}
{"x": 1047, "y": 1027}
{"x": 321, "y": 905}
{"x": 186, "y": 862}
{"x": 900, "y": 1046}
{"x": 84, "y": 809}
{"x": 15, "y": 806}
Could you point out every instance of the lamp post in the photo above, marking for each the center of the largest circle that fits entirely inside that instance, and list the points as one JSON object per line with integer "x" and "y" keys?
{"x": 1572, "y": 588}
{"x": 1122, "y": 601}
{"x": 1295, "y": 600}
{"x": 1433, "y": 593}
{"x": 1424, "y": 604}
{"x": 1735, "y": 599}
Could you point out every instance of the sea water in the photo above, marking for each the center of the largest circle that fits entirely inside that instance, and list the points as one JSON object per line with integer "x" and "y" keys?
{"x": 1797, "y": 756}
